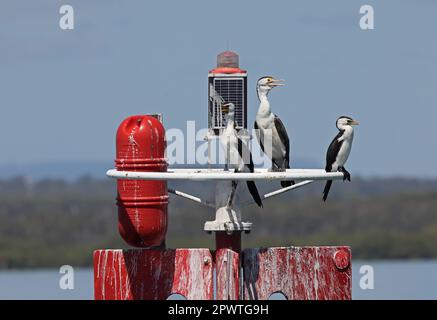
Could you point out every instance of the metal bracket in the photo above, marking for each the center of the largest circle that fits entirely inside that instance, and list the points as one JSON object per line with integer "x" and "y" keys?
{"x": 228, "y": 218}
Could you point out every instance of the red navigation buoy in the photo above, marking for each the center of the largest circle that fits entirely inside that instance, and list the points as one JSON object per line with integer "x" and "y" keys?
{"x": 142, "y": 204}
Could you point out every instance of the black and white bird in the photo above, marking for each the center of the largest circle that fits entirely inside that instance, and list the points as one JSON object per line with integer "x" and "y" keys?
{"x": 339, "y": 150}
{"x": 237, "y": 154}
{"x": 270, "y": 131}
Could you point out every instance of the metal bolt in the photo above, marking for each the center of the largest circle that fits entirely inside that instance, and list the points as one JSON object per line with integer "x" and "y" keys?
{"x": 341, "y": 259}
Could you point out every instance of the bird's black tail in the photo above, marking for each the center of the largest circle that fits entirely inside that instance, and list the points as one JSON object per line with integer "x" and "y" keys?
{"x": 326, "y": 190}
{"x": 287, "y": 183}
{"x": 254, "y": 192}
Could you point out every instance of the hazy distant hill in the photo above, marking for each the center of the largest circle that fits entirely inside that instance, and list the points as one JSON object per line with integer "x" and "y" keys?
{"x": 71, "y": 170}
{"x": 56, "y": 170}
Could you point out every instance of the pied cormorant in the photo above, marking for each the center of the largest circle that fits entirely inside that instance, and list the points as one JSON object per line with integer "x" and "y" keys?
{"x": 237, "y": 154}
{"x": 270, "y": 131}
{"x": 339, "y": 150}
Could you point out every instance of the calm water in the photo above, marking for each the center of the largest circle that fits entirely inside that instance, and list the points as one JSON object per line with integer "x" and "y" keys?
{"x": 392, "y": 280}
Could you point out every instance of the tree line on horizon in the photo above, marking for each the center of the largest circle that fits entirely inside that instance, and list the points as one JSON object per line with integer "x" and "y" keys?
{"x": 48, "y": 223}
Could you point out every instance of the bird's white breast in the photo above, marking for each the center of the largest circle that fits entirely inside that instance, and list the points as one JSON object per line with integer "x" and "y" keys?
{"x": 272, "y": 143}
{"x": 229, "y": 142}
{"x": 345, "y": 149}
{"x": 265, "y": 121}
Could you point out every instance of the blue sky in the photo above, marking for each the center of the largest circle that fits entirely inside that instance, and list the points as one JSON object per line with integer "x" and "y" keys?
{"x": 63, "y": 93}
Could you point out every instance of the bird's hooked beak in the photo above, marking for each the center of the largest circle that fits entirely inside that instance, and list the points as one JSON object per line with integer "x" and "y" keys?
{"x": 275, "y": 82}
{"x": 225, "y": 107}
{"x": 353, "y": 123}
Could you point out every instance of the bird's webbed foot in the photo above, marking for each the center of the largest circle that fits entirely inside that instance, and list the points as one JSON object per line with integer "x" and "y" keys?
{"x": 276, "y": 168}
{"x": 346, "y": 174}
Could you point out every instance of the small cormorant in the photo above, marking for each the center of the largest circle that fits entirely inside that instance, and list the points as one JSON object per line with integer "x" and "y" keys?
{"x": 270, "y": 131}
{"x": 339, "y": 150}
{"x": 237, "y": 154}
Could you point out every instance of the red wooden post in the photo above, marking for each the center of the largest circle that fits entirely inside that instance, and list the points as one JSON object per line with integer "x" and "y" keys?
{"x": 227, "y": 255}
{"x": 300, "y": 273}
{"x": 230, "y": 241}
{"x": 227, "y": 268}
{"x": 143, "y": 274}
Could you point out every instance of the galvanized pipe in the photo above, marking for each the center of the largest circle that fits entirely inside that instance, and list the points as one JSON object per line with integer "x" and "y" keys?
{"x": 190, "y": 197}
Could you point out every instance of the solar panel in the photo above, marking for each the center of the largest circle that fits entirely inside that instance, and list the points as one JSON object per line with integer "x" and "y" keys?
{"x": 225, "y": 90}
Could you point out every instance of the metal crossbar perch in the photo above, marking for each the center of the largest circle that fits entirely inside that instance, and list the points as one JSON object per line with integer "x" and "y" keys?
{"x": 228, "y": 218}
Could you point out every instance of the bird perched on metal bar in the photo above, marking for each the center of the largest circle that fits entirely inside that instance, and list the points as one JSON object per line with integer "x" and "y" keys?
{"x": 270, "y": 131}
{"x": 237, "y": 154}
{"x": 339, "y": 150}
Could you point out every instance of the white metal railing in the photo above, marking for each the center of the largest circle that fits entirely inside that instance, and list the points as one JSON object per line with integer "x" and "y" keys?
{"x": 228, "y": 218}
{"x": 221, "y": 175}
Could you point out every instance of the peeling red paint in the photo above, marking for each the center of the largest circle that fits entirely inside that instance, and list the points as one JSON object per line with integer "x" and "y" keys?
{"x": 142, "y": 274}
{"x": 228, "y": 274}
{"x": 300, "y": 273}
